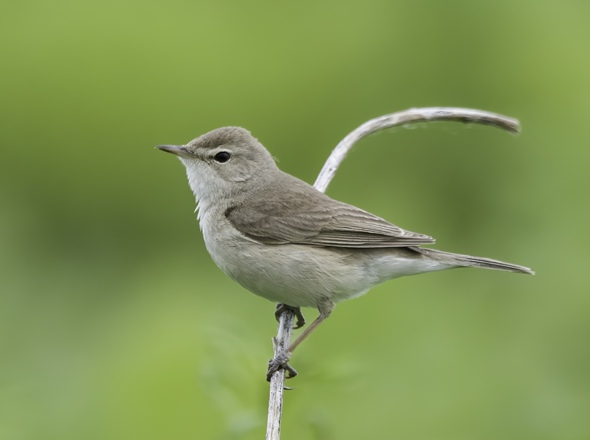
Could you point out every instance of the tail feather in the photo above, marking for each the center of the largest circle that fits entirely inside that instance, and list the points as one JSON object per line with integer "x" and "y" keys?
{"x": 469, "y": 261}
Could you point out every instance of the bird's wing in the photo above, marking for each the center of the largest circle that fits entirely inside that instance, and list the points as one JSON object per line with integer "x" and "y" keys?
{"x": 318, "y": 221}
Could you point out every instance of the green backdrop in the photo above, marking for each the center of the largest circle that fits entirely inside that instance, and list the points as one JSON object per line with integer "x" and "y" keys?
{"x": 115, "y": 323}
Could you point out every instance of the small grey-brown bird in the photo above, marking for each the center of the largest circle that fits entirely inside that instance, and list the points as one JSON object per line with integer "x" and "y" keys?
{"x": 282, "y": 239}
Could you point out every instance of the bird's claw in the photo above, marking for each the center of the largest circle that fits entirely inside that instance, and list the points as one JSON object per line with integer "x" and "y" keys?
{"x": 296, "y": 310}
{"x": 280, "y": 362}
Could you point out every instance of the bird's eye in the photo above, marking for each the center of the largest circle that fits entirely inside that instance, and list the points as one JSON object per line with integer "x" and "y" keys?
{"x": 222, "y": 157}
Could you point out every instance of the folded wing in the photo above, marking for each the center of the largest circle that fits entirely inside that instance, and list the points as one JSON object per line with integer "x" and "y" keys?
{"x": 317, "y": 220}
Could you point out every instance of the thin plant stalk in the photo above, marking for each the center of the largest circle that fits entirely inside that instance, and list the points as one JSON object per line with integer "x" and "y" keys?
{"x": 406, "y": 117}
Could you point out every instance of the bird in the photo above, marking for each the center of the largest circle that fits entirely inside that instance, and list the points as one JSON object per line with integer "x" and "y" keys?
{"x": 282, "y": 239}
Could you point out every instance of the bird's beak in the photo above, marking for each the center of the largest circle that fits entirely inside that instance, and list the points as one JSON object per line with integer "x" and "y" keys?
{"x": 179, "y": 150}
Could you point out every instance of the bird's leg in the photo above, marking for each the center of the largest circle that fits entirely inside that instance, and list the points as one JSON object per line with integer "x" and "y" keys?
{"x": 296, "y": 311}
{"x": 281, "y": 360}
{"x": 324, "y": 313}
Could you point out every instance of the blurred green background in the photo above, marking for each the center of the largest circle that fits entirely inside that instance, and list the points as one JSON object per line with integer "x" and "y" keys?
{"x": 115, "y": 323}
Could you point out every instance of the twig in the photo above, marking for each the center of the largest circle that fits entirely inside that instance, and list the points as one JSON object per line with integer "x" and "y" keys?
{"x": 277, "y": 381}
{"x": 406, "y": 117}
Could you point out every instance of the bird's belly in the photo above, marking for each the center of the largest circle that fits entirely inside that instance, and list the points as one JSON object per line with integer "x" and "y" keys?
{"x": 303, "y": 275}
{"x": 297, "y": 275}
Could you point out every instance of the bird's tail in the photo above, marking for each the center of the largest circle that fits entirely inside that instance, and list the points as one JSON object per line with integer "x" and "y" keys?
{"x": 469, "y": 261}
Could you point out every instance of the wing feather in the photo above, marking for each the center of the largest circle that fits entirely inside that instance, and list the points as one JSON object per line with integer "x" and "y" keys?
{"x": 303, "y": 215}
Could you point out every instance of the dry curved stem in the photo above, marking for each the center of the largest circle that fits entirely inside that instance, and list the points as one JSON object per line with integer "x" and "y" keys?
{"x": 406, "y": 117}
{"x": 277, "y": 381}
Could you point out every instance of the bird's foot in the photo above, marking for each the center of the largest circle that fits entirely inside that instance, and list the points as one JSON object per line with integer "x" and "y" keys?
{"x": 296, "y": 310}
{"x": 280, "y": 362}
